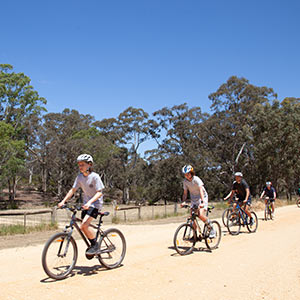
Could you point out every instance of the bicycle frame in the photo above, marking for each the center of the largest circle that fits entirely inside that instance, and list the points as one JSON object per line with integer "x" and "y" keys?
{"x": 242, "y": 213}
{"x": 73, "y": 223}
{"x": 193, "y": 220}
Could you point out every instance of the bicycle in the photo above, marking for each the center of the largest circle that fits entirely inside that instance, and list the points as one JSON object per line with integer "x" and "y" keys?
{"x": 185, "y": 236}
{"x": 60, "y": 251}
{"x": 298, "y": 202}
{"x": 227, "y": 212}
{"x": 268, "y": 209}
{"x": 239, "y": 218}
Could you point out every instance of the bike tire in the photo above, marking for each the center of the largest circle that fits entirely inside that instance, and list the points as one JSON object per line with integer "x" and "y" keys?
{"x": 225, "y": 215}
{"x": 112, "y": 248}
{"x": 52, "y": 255}
{"x": 184, "y": 239}
{"x": 213, "y": 243}
{"x": 270, "y": 213}
{"x": 298, "y": 203}
{"x": 266, "y": 213}
{"x": 252, "y": 228}
{"x": 234, "y": 223}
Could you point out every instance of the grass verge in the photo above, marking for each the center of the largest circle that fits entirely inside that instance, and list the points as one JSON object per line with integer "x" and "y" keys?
{"x": 19, "y": 229}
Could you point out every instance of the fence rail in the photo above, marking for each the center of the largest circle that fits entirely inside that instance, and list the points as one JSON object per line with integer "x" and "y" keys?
{"x": 26, "y": 213}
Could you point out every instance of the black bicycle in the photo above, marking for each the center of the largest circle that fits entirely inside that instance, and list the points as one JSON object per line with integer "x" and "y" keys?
{"x": 268, "y": 210}
{"x": 60, "y": 251}
{"x": 239, "y": 218}
{"x": 186, "y": 235}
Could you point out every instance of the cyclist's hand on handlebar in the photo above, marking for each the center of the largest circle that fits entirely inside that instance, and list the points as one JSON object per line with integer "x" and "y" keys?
{"x": 85, "y": 206}
{"x": 61, "y": 204}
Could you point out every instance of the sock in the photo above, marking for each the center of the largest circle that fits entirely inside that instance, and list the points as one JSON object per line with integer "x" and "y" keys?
{"x": 93, "y": 241}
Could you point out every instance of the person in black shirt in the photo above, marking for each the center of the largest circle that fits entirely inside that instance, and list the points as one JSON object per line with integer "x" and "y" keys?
{"x": 269, "y": 191}
{"x": 240, "y": 189}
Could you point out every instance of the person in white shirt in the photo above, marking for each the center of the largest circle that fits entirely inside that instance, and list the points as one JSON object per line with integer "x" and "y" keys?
{"x": 92, "y": 186}
{"x": 198, "y": 194}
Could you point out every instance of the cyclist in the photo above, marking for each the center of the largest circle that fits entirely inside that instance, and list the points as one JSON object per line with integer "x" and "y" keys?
{"x": 270, "y": 192}
{"x": 198, "y": 194}
{"x": 92, "y": 187}
{"x": 240, "y": 189}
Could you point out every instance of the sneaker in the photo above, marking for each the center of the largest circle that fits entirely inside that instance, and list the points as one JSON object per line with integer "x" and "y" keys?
{"x": 251, "y": 222}
{"x": 212, "y": 234}
{"x": 93, "y": 250}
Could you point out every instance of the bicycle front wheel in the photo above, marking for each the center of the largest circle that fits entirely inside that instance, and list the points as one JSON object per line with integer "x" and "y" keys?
{"x": 298, "y": 203}
{"x": 184, "y": 239}
{"x": 59, "y": 256}
{"x": 266, "y": 213}
{"x": 252, "y": 227}
{"x": 234, "y": 223}
{"x": 225, "y": 215}
{"x": 112, "y": 248}
{"x": 212, "y": 241}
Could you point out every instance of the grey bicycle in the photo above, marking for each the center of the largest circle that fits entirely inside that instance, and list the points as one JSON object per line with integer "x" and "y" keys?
{"x": 60, "y": 251}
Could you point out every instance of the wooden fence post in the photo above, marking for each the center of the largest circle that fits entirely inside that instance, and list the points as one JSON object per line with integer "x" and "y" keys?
{"x": 25, "y": 222}
{"x": 139, "y": 213}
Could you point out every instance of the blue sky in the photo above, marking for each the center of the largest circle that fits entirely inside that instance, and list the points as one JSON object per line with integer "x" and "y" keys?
{"x": 100, "y": 57}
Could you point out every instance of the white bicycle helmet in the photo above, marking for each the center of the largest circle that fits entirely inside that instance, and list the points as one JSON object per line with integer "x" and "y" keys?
{"x": 187, "y": 169}
{"x": 85, "y": 157}
{"x": 268, "y": 183}
{"x": 240, "y": 174}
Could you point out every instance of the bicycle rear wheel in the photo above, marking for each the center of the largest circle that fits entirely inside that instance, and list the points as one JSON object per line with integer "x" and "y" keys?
{"x": 112, "y": 248}
{"x": 298, "y": 203}
{"x": 253, "y": 226}
{"x": 212, "y": 242}
{"x": 59, "y": 256}
{"x": 234, "y": 223}
{"x": 225, "y": 215}
{"x": 184, "y": 239}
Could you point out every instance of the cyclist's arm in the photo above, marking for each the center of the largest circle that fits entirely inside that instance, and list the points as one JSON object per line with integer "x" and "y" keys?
{"x": 69, "y": 195}
{"x": 201, "y": 195}
{"x": 262, "y": 194}
{"x": 275, "y": 195}
{"x": 228, "y": 196}
{"x": 247, "y": 194}
{"x": 184, "y": 196}
{"x": 93, "y": 199}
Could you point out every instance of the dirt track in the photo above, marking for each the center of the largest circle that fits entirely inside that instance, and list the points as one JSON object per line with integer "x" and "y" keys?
{"x": 263, "y": 265}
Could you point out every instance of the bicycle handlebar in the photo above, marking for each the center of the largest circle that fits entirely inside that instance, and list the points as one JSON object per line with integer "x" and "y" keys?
{"x": 71, "y": 208}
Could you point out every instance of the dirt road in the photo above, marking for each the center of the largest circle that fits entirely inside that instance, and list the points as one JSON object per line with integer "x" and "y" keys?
{"x": 263, "y": 265}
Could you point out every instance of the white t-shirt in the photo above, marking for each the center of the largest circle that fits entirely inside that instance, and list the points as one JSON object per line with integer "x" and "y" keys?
{"x": 194, "y": 188}
{"x": 90, "y": 185}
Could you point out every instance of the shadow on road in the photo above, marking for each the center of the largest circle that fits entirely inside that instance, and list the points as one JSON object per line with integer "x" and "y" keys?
{"x": 81, "y": 270}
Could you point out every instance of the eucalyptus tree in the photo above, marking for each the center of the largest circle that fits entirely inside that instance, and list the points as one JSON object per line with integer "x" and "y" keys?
{"x": 19, "y": 104}
{"x": 233, "y": 106}
{"x": 128, "y": 131}
{"x": 12, "y": 157}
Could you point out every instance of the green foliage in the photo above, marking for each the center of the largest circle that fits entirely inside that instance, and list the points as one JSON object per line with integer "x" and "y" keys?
{"x": 249, "y": 130}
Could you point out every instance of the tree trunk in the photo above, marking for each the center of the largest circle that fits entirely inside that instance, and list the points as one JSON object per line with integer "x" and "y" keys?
{"x": 30, "y": 175}
{"x": 60, "y": 180}
{"x": 44, "y": 179}
{"x": 125, "y": 195}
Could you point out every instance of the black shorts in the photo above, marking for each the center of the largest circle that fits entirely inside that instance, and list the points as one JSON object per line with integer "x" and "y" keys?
{"x": 241, "y": 202}
{"x": 92, "y": 212}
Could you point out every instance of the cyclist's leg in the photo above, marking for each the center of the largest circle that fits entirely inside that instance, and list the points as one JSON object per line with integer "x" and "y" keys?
{"x": 87, "y": 217}
{"x": 273, "y": 205}
{"x": 202, "y": 215}
{"x": 247, "y": 207}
